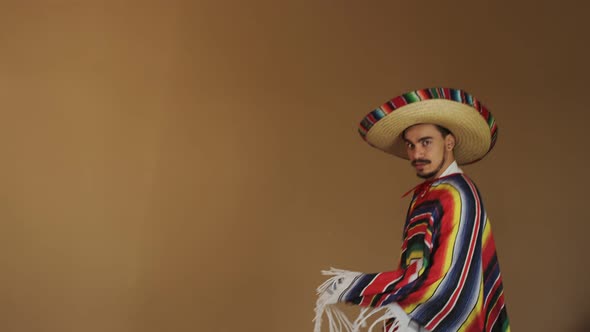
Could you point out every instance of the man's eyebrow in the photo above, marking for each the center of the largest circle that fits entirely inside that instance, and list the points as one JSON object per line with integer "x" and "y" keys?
{"x": 421, "y": 139}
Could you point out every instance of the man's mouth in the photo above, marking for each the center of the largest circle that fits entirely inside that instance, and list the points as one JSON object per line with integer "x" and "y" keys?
{"x": 420, "y": 164}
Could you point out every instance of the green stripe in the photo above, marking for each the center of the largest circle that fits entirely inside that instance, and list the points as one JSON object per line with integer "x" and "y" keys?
{"x": 434, "y": 93}
{"x": 411, "y": 97}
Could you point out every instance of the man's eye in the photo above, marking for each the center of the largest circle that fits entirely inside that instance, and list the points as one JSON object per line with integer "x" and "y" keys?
{"x": 426, "y": 142}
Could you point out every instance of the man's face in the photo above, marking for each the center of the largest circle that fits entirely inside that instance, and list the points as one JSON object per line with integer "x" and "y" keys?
{"x": 429, "y": 152}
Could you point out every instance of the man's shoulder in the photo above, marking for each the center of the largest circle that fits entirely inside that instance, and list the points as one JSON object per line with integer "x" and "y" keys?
{"x": 459, "y": 181}
{"x": 453, "y": 178}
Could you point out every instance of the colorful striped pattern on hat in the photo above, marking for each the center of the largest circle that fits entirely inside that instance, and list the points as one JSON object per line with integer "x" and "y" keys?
{"x": 455, "y": 95}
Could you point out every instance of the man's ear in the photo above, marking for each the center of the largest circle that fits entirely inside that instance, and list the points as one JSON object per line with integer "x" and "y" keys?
{"x": 450, "y": 142}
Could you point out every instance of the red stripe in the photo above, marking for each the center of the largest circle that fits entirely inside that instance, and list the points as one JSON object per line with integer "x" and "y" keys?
{"x": 447, "y": 92}
{"x": 494, "y": 289}
{"x": 495, "y": 313}
{"x": 485, "y": 113}
{"x": 404, "y": 282}
{"x": 363, "y": 131}
{"x": 398, "y": 102}
{"x": 386, "y": 108}
{"x": 418, "y": 229}
{"x": 371, "y": 118}
{"x": 422, "y": 216}
{"x": 423, "y": 94}
{"x": 476, "y": 104}
{"x": 409, "y": 271}
{"x": 493, "y": 128}
{"x": 488, "y": 251}
{"x": 381, "y": 281}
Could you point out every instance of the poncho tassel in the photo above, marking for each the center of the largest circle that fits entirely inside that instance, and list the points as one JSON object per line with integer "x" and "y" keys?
{"x": 337, "y": 320}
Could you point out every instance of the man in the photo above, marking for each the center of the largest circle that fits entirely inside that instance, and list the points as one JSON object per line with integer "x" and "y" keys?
{"x": 448, "y": 278}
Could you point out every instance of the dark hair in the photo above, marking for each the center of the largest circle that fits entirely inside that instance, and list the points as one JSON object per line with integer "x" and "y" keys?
{"x": 443, "y": 131}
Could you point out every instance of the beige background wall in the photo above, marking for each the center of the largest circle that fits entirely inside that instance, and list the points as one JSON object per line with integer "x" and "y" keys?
{"x": 192, "y": 166}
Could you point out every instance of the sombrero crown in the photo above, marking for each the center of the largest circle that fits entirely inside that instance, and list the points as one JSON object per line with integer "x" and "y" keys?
{"x": 471, "y": 123}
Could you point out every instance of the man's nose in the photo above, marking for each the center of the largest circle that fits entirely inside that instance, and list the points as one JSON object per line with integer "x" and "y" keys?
{"x": 417, "y": 153}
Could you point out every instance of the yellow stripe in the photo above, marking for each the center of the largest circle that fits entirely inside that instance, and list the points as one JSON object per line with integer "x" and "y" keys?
{"x": 417, "y": 254}
{"x": 487, "y": 231}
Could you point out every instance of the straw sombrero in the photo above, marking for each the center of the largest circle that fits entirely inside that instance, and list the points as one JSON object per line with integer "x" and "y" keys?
{"x": 470, "y": 122}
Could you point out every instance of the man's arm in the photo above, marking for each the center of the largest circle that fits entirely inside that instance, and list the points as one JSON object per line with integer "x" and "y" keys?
{"x": 376, "y": 289}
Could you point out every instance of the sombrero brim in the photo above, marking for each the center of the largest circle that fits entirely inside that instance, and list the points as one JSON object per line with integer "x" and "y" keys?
{"x": 469, "y": 121}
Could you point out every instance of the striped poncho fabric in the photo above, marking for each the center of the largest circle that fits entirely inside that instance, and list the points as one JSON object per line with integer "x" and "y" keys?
{"x": 449, "y": 277}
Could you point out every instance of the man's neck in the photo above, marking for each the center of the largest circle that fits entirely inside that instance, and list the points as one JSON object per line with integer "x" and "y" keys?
{"x": 451, "y": 169}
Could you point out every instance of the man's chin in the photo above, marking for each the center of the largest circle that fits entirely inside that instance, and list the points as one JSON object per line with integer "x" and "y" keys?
{"x": 426, "y": 176}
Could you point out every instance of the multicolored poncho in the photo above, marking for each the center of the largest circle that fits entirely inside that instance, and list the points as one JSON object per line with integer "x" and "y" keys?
{"x": 448, "y": 278}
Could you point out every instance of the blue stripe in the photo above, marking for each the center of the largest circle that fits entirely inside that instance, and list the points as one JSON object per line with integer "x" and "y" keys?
{"x": 456, "y": 95}
{"x": 379, "y": 113}
{"x": 469, "y": 99}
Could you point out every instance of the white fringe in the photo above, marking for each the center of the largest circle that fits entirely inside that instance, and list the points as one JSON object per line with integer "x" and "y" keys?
{"x": 337, "y": 320}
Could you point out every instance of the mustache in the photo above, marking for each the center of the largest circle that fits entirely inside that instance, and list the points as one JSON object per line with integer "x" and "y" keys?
{"x": 420, "y": 161}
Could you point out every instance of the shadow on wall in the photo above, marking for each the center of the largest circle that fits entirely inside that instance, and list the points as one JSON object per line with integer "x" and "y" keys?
{"x": 583, "y": 326}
